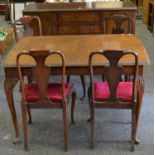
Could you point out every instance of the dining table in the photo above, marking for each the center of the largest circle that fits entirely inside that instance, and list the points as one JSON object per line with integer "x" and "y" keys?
{"x": 76, "y": 50}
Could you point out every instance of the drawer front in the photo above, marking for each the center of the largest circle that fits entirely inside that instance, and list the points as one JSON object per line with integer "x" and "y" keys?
{"x": 128, "y": 13}
{"x": 82, "y": 29}
{"x": 79, "y": 17}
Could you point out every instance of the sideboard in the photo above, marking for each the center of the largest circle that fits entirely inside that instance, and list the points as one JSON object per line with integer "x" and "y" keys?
{"x": 79, "y": 17}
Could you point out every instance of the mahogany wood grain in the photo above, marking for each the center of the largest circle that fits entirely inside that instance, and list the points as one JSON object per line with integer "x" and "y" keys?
{"x": 79, "y": 18}
{"x": 76, "y": 49}
{"x": 42, "y": 84}
{"x": 113, "y": 74}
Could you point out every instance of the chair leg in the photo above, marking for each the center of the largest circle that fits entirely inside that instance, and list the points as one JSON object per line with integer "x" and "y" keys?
{"x": 29, "y": 79}
{"x": 29, "y": 115}
{"x": 73, "y": 107}
{"x": 92, "y": 128}
{"x": 128, "y": 78}
{"x": 68, "y": 79}
{"x": 133, "y": 129}
{"x": 65, "y": 126}
{"x": 25, "y": 130}
{"x": 140, "y": 94}
{"x": 103, "y": 78}
{"x": 89, "y": 102}
{"x": 83, "y": 86}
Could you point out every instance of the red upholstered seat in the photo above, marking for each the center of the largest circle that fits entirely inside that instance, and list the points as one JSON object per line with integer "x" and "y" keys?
{"x": 102, "y": 92}
{"x": 54, "y": 92}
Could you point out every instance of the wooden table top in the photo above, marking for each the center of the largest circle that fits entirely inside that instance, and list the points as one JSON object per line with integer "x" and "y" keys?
{"x": 76, "y": 48}
{"x": 79, "y": 6}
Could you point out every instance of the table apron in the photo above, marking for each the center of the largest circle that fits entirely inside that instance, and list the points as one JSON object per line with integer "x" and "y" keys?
{"x": 11, "y": 72}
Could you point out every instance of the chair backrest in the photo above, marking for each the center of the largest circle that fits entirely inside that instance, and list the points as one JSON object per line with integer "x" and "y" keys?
{"x": 123, "y": 24}
{"x": 41, "y": 72}
{"x": 27, "y": 26}
{"x": 114, "y": 71}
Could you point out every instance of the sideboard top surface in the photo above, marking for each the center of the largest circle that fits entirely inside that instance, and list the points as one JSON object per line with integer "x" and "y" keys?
{"x": 79, "y": 6}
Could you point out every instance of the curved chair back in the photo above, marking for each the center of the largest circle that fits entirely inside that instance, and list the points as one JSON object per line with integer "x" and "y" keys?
{"x": 42, "y": 94}
{"x": 123, "y": 24}
{"x": 113, "y": 93}
{"x": 41, "y": 72}
{"x": 27, "y": 26}
{"x": 114, "y": 71}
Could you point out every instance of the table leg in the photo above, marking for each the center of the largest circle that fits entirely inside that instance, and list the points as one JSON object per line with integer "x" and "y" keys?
{"x": 9, "y": 84}
{"x": 140, "y": 95}
{"x": 83, "y": 86}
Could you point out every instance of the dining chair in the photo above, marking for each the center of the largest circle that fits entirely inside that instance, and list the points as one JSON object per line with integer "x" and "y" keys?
{"x": 27, "y": 26}
{"x": 41, "y": 94}
{"x": 123, "y": 24}
{"x": 112, "y": 93}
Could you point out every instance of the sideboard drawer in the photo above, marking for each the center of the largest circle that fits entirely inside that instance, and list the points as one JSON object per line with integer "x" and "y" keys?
{"x": 79, "y": 17}
{"x": 79, "y": 29}
{"x": 131, "y": 13}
